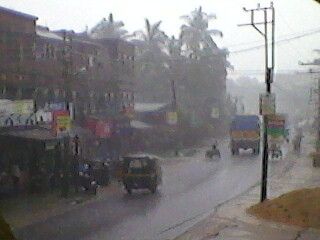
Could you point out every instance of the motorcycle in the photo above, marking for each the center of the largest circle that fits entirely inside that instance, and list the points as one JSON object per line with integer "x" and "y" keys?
{"x": 214, "y": 152}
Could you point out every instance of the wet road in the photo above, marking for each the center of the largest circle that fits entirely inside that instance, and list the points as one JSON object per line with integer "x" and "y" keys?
{"x": 191, "y": 188}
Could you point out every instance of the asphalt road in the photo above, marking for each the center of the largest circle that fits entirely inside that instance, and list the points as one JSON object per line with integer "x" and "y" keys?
{"x": 191, "y": 188}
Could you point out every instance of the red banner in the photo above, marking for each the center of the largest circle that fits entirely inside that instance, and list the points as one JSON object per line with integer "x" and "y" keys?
{"x": 103, "y": 129}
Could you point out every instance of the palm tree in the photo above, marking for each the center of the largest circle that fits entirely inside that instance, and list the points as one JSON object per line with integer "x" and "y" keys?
{"x": 108, "y": 28}
{"x": 151, "y": 62}
{"x": 174, "y": 47}
{"x": 196, "y": 35}
{"x": 150, "y": 42}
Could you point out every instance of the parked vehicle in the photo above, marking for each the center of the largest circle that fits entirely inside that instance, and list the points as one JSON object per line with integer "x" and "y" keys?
{"x": 245, "y": 134}
{"x": 141, "y": 171}
{"x": 101, "y": 171}
{"x": 86, "y": 178}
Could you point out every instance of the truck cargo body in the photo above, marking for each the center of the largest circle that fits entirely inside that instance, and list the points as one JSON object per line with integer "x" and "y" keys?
{"x": 245, "y": 133}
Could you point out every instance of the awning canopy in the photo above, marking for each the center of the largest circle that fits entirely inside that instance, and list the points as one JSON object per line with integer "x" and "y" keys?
{"x": 32, "y": 133}
{"x": 140, "y": 125}
{"x": 149, "y": 107}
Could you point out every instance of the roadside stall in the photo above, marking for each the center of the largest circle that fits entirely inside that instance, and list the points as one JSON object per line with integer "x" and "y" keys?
{"x": 31, "y": 156}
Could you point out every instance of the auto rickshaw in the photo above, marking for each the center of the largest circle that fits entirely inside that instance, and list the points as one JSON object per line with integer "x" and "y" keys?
{"x": 141, "y": 171}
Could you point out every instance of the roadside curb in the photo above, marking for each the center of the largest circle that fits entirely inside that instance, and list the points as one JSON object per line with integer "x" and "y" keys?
{"x": 220, "y": 223}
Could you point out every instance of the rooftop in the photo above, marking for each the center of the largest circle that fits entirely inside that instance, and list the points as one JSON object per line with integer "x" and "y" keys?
{"x": 46, "y": 33}
{"x": 16, "y": 13}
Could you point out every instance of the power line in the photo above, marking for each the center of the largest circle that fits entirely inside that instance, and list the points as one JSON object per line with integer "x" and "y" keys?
{"x": 280, "y": 37}
{"x": 277, "y": 42}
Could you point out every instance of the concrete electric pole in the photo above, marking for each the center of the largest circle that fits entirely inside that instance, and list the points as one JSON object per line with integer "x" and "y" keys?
{"x": 269, "y": 72}
{"x": 317, "y": 91}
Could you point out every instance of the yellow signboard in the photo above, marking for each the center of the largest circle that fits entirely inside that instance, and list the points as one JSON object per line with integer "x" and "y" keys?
{"x": 63, "y": 123}
{"x": 172, "y": 118}
{"x": 23, "y": 106}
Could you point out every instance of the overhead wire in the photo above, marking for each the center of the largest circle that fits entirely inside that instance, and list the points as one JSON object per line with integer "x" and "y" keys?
{"x": 281, "y": 41}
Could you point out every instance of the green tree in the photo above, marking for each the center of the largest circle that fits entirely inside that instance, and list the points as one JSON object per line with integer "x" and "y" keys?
{"x": 205, "y": 78}
{"x": 108, "y": 28}
{"x": 151, "y": 62}
{"x": 196, "y": 35}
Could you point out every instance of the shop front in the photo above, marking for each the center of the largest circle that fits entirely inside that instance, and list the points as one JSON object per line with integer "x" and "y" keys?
{"x": 30, "y": 160}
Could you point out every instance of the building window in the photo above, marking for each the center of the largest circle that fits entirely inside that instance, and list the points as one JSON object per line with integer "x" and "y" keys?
{"x": 92, "y": 108}
{"x": 56, "y": 92}
{"x": 74, "y": 94}
{"x": 53, "y": 52}
{"x": 3, "y": 76}
{"x": 4, "y": 38}
{"x": 3, "y": 90}
{"x": 90, "y": 61}
{"x": 47, "y": 51}
{"x": 20, "y": 52}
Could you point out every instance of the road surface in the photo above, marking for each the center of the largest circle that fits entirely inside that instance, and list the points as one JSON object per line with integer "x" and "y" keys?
{"x": 191, "y": 188}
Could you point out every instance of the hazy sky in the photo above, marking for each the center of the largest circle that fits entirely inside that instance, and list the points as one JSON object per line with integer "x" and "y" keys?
{"x": 292, "y": 17}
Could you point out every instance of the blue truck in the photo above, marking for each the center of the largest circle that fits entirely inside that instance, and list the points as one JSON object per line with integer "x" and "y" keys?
{"x": 245, "y": 133}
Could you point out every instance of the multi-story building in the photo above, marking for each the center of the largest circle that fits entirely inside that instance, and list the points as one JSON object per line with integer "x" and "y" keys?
{"x": 53, "y": 66}
{"x": 17, "y": 42}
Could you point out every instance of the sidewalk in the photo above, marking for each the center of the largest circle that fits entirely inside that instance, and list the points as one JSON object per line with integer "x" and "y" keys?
{"x": 231, "y": 222}
{"x": 30, "y": 209}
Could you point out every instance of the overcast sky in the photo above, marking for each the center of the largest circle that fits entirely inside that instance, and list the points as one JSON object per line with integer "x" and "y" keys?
{"x": 292, "y": 17}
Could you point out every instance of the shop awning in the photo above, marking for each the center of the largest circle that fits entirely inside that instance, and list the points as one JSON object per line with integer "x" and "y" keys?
{"x": 33, "y": 133}
{"x": 140, "y": 125}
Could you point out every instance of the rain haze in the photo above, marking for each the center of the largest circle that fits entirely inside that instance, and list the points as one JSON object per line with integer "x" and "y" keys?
{"x": 294, "y": 18}
{"x": 157, "y": 120}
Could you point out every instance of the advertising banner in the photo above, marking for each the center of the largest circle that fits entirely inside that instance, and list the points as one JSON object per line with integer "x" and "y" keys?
{"x": 61, "y": 122}
{"x": 276, "y": 128}
{"x": 19, "y": 107}
{"x": 172, "y": 118}
{"x": 44, "y": 116}
{"x": 17, "y": 113}
{"x": 267, "y": 104}
{"x": 23, "y": 107}
{"x": 103, "y": 129}
{"x": 6, "y": 107}
{"x": 56, "y": 106}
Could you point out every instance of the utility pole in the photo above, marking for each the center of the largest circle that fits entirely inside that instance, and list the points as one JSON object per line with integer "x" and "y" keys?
{"x": 269, "y": 71}
{"x": 67, "y": 66}
{"x": 317, "y": 91}
{"x": 174, "y": 96}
